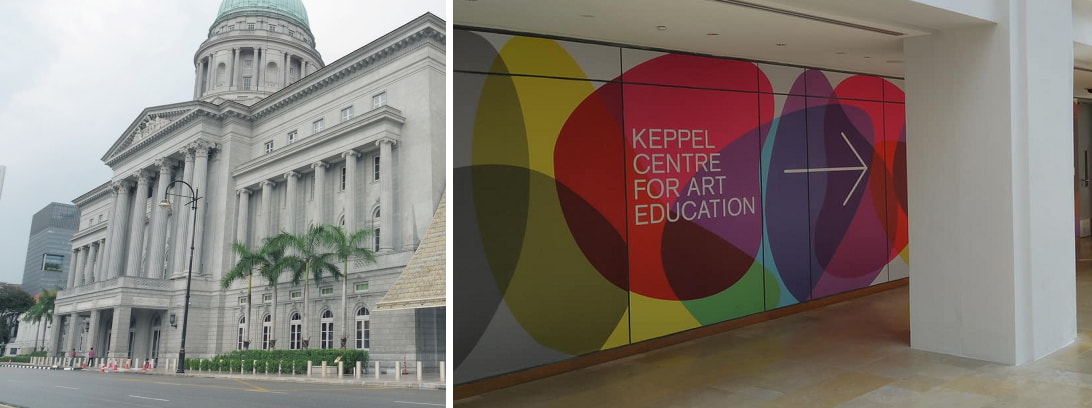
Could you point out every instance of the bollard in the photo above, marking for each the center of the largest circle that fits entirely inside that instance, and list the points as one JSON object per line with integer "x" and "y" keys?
{"x": 267, "y": 368}
{"x": 323, "y": 368}
{"x": 254, "y": 368}
{"x": 308, "y": 368}
{"x": 418, "y": 371}
{"x": 397, "y": 372}
{"x": 340, "y": 368}
{"x": 356, "y": 374}
{"x": 377, "y": 370}
{"x": 443, "y": 372}
{"x": 280, "y": 364}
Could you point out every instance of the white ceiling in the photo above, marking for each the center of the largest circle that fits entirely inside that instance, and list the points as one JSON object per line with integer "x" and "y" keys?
{"x": 740, "y": 31}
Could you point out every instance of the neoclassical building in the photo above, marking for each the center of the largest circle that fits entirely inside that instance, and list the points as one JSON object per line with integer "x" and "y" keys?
{"x": 274, "y": 140}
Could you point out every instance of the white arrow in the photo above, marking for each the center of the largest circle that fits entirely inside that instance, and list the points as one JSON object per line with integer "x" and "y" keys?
{"x": 863, "y": 168}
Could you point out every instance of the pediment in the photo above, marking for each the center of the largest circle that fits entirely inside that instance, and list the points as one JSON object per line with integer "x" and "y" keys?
{"x": 151, "y": 124}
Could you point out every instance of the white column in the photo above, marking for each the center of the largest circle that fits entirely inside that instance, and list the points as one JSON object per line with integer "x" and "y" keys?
{"x": 291, "y": 178}
{"x": 100, "y": 259}
{"x": 159, "y": 220}
{"x": 92, "y": 259}
{"x": 120, "y": 224}
{"x": 265, "y": 226}
{"x": 319, "y": 202}
{"x": 386, "y": 196}
{"x": 201, "y": 151}
{"x": 287, "y": 61}
{"x": 244, "y": 215}
{"x": 111, "y": 225}
{"x": 234, "y": 67}
{"x": 136, "y": 224}
{"x": 73, "y": 268}
{"x": 989, "y": 129}
{"x": 350, "y": 189}
{"x": 182, "y": 214}
{"x": 209, "y": 77}
{"x": 197, "y": 81}
{"x": 259, "y": 55}
{"x": 81, "y": 266}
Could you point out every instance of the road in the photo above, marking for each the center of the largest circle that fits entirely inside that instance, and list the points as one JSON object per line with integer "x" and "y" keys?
{"x": 55, "y": 388}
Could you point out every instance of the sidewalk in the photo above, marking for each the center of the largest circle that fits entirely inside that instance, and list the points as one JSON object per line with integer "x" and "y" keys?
{"x": 428, "y": 381}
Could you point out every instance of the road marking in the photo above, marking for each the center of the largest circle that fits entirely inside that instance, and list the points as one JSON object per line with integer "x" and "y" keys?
{"x": 863, "y": 168}
{"x": 70, "y": 388}
{"x": 157, "y": 399}
{"x": 255, "y": 387}
{"x": 418, "y": 403}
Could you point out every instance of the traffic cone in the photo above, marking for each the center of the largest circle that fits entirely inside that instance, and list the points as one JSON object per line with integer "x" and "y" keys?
{"x": 102, "y": 369}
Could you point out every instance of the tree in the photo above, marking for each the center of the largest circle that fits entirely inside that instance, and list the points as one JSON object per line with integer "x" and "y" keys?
{"x": 244, "y": 267}
{"x": 348, "y": 245}
{"x": 309, "y": 249}
{"x": 270, "y": 262}
{"x": 42, "y": 310}
{"x": 13, "y": 302}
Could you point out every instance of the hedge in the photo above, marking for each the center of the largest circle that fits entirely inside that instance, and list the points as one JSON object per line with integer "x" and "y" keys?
{"x": 283, "y": 361}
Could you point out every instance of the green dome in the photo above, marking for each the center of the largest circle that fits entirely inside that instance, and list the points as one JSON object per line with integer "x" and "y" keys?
{"x": 290, "y": 8}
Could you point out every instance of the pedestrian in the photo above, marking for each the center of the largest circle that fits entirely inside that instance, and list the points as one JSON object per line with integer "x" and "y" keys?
{"x": 91, "y": 356}
{"x": 73, "y": 353}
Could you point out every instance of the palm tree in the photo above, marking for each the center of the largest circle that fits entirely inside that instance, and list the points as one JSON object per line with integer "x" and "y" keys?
{"x": 248, "y": 261}
{"x": 42, "y": 310}
{"x": 276, "y": 263}
{"x": 312, "y": 261}
{"x": 347, "y": 246}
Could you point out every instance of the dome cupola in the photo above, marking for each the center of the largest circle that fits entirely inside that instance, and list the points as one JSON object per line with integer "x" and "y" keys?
{"x": 293, "y": 9}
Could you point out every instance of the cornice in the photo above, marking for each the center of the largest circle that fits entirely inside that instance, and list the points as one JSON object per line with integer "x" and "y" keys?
{"x": 94, "y": 194}
{"x": 89, "y": 231}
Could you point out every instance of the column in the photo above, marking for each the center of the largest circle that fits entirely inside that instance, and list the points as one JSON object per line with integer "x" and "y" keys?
{"x": 92, "y": 334}
{"x": 303, "y": 69}
{"x": 258, "y": 57}
{"x": 111, "y": 225}
{"x": 89, "y": 269}
{"x": 201, "y": 151}
{"x": 73, "y": 268}
{"x": 209, "y": 84}
{"x": 182, "y": 217}
{"x": 234, "y": 66}
{"x": 196, "y": 81}
{"x": 244, "y": 216}
{"x": 159, "y": 220}
{"x": 386, "y": 196}
{"x": 136, "y": 224}
{"x": 319, "y": 202}
{"x": 119, "y": 224}
{"x": 119, "y": 338}
{"x": 290, "y": 195}
{"x": 265, "y": 226}
{"x": 287, "y": 60}
{"x": 350, "y": 189}
{"x": 98, "y": 272}
{"x": 81, "y": 263}
{"x": 70, "y": 337}
{"x": 989, "y": 119}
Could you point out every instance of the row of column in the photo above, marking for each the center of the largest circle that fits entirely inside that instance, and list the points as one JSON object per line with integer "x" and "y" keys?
{"x": 265, "y": 227}
{"x": 118, "y": 343}
{"x": 86, "y": 266}
{"x": 260, "y": 58}
{"x": 124, "y": 245}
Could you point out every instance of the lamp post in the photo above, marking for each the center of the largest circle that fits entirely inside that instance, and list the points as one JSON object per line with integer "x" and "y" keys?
{"x": 189, "y": 273}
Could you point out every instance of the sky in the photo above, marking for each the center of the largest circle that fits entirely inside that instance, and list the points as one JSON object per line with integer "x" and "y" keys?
{"x": 75, "y": 73}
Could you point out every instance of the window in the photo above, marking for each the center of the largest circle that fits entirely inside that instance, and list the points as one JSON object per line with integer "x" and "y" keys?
{"x": 295, "y": 294}
{"x": 246, "y": 83}
{"x": 375, "y": 229}
{"x": 273, "y": 28}
{"x": 379, "y": 100}
{"x": 231, "y": 27}
{"x": 249, "y": 26}
{"x": 326, "y": 291}
{"x": 292, "y": 137}
{"x": 318, "y": 125}
{"x": 267, "y": 297}
{"x": 52, "y": 262}
{"x": 362, "y": 287}
{"x": 363, "y": 328}
{"x": 242, "y": 300}
{"x": 375, "y": 168}
{"x": 376, "y": 246}
{"x": 100, "y": 217}
{"x": 291, "y": 33}
{"x": 247, "y": 62}
{"x": 242, "y": 328}
{"x": 269, "y": 147}
{"x": 294, "y": 332}
{"x": 343, "y": 171}
{"x": 267, "y": 328}
{"x": 327, "y": 331}
{"x": 346, "y": 114}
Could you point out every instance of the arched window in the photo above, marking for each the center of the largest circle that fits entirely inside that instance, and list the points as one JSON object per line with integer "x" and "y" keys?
{"x": 242, "y": 329}
{"x": 363, "y": 329}
{"x": 294, "y": 332}
{"x": 267, "y": 331}
{"x": 327, "y": 330}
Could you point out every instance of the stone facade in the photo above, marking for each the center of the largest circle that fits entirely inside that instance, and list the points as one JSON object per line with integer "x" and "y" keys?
{"x": 358, "y": 143}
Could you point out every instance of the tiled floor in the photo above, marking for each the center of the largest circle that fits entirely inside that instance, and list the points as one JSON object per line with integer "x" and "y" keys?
{"x": 852, "y": 354}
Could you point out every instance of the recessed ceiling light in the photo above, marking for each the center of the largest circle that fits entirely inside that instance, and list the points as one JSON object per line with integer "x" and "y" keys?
{"x": 661, "y": 28}
{"x": 782, "y": 44}
{"x": 867, "y": 57}
{"x": 840, "y": 53}
{"x": 587, "y": 16}
{"x": 712, "y": 33}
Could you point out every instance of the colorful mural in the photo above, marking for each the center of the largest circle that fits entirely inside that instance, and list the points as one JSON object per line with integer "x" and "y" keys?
{"x": 608, "y": 196}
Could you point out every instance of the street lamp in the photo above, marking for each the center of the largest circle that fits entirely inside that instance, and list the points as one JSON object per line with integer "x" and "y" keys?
{"x": 189, "y": 273}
